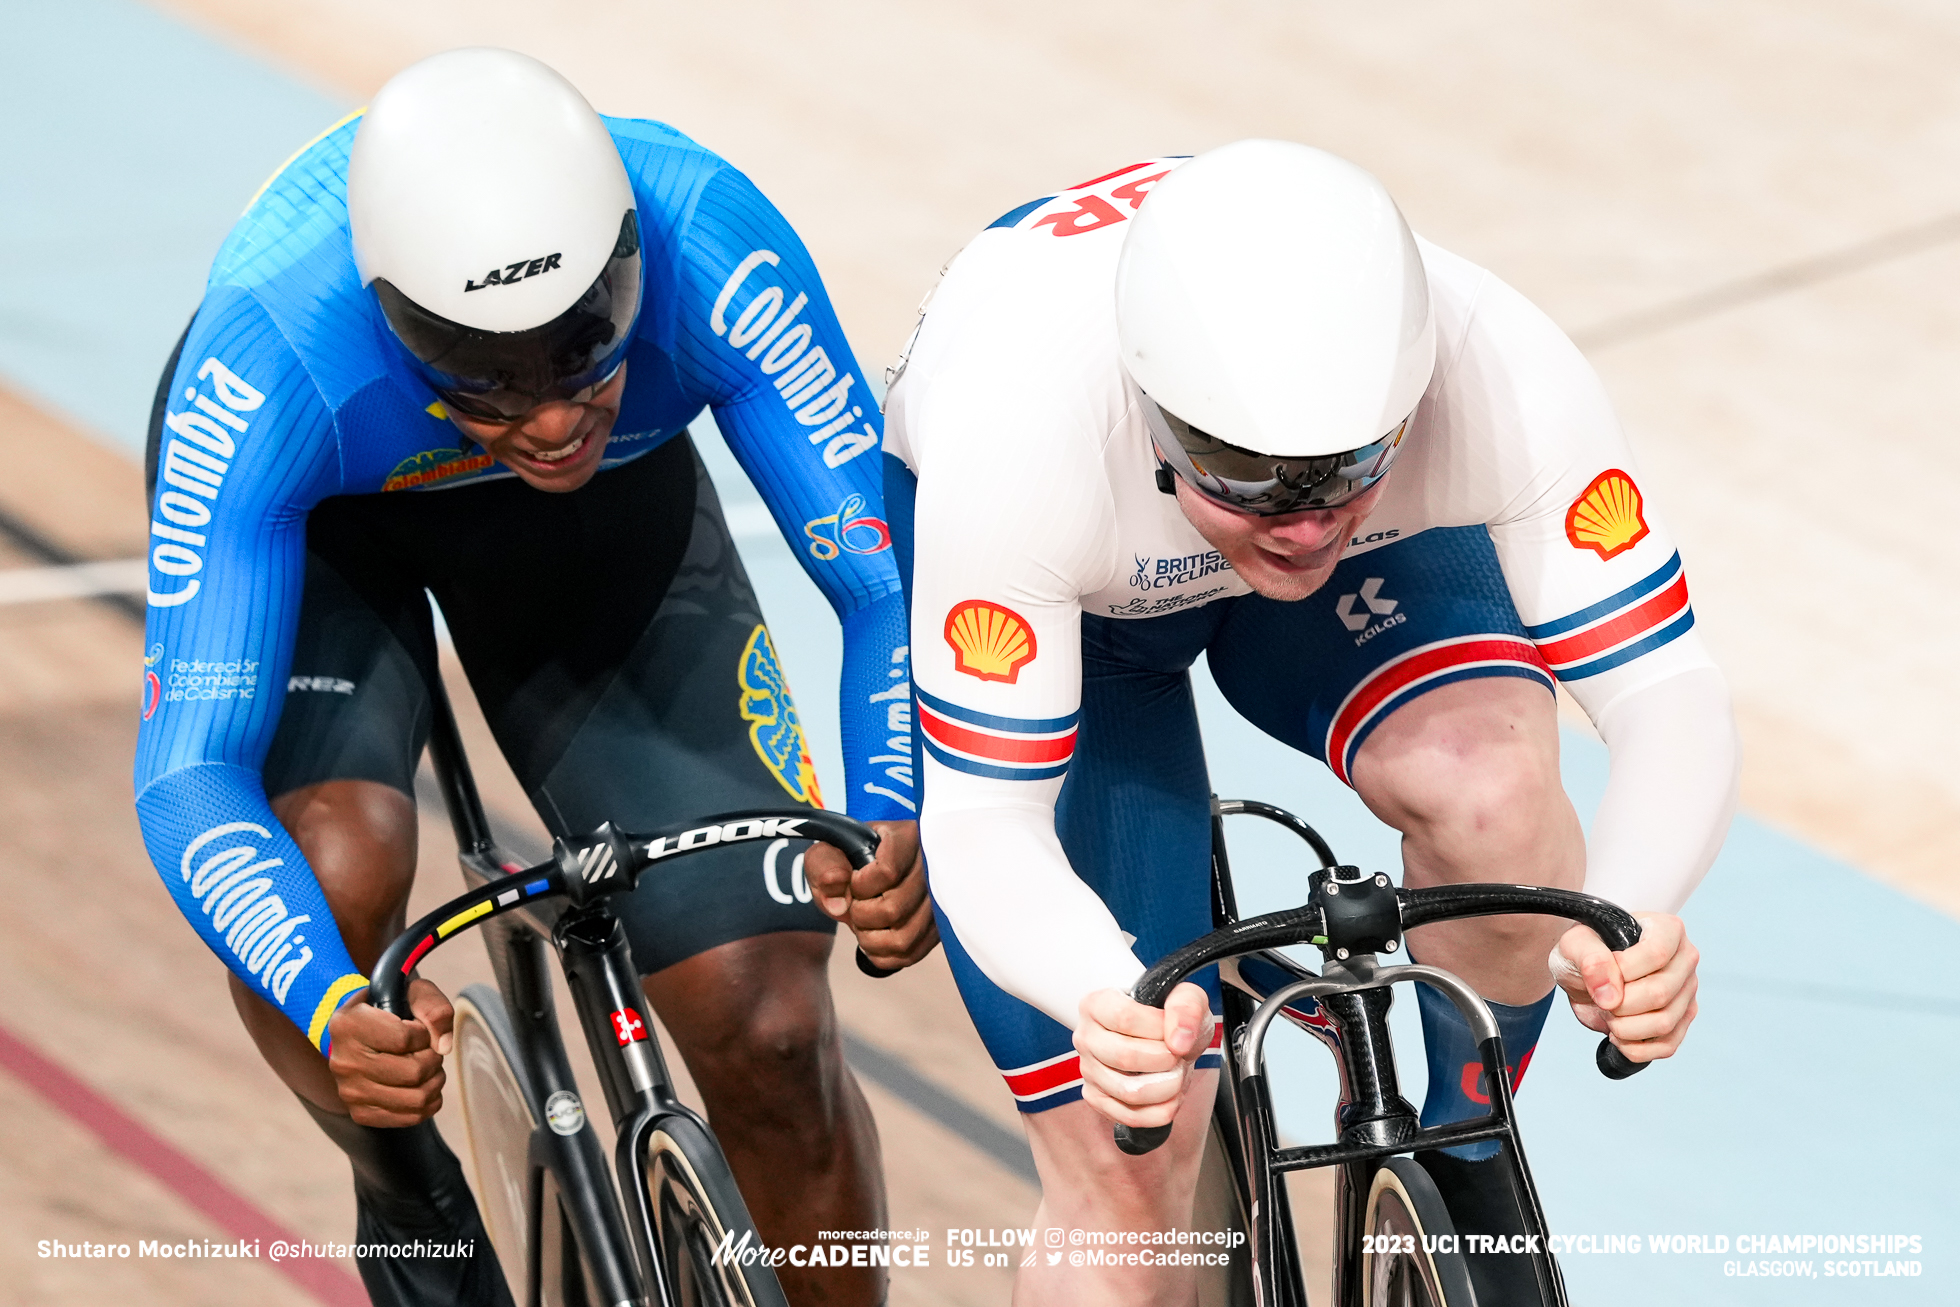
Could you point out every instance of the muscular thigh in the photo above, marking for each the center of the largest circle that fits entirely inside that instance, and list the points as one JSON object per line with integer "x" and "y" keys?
{"x": 618, "y": 651}
{"x": 357, "y": 702}
{"x": 1390, "y": 626}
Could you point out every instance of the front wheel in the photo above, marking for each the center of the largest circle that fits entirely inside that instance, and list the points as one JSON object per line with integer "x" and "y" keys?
{"x": 499, "y": 1115}
{"x": 1411, "y": 1256}
{"x": 702, "y": 1229}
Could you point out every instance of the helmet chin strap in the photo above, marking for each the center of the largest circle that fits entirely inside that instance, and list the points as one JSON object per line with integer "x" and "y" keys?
{"x": 1166, "y": 479}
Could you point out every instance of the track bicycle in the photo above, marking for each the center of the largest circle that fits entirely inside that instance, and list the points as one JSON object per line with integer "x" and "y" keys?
{"x": 569, "y": 1230}
{"x": 1395, "y": 1241}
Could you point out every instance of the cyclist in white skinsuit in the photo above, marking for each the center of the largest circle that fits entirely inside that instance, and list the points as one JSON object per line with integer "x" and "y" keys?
{"x": 1144, "y": 430}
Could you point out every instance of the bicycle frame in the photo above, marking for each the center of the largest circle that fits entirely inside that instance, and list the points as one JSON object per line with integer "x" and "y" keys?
{"x": 1346, "y": 1008}
{"x": 598, "y": 967}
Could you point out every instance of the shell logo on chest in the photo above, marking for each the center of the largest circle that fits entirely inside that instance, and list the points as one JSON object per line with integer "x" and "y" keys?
{"x": 1606, "y": 517}
{"x": 989, "y": 641}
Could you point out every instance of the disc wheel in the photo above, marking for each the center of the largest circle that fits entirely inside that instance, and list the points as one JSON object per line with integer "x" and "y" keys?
{"x": 1220, "y": 1205}
{"x": 498, "y": 1119}
{"x": 697, "y": 1210}
{"x": 1411, "y": 1257}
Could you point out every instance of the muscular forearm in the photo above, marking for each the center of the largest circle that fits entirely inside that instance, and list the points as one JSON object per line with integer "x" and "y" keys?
{"x": 1675, "y": 767}
{"x": 242, "y": 882}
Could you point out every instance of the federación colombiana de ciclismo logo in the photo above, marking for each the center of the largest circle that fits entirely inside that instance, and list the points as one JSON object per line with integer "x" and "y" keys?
{"x": 773, "y": 727}
{"x": 432, "y": 466}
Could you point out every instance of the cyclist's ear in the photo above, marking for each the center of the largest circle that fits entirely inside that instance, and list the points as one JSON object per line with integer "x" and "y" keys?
{"x": 432, "y": 1009}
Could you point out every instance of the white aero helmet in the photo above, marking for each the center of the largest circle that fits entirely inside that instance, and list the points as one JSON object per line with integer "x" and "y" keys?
{"x": 1271, "y": 306}
{"x": 493, "y": 220}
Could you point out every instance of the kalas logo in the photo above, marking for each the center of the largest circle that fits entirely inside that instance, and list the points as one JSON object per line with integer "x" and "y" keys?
{"x": 517, "y": 271}
{"x": 805, "y": 376}
{"x": 194, "y": 466}
{"x": 847, "y": 531}
{"x": 1369, "y": 596}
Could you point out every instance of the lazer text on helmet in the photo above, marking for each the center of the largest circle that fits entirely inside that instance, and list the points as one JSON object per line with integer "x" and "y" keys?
{"x": 517, "y": 271}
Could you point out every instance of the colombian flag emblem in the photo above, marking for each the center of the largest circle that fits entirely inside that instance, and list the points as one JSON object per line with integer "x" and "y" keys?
{"x": 1606, "y": 518}
{"x": 989, "y": 641}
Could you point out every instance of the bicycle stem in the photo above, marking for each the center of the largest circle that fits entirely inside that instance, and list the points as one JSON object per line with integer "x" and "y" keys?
{"x": 1350, "y": 915}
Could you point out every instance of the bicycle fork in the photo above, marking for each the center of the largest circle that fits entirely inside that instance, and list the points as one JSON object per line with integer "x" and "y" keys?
{"x": 1375, "y": 1121}
{"x": 1372, "y": 1111}
{"x": 599, "y": 968}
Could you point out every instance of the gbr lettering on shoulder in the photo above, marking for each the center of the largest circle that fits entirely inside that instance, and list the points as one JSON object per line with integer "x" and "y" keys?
{"x": 199, "y": 446}
{"x": 766, "y": 330}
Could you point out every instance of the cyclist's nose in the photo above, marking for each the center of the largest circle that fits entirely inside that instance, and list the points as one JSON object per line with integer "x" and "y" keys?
{"x": 1305, "y": 532}
{"x": 553, "y": 423}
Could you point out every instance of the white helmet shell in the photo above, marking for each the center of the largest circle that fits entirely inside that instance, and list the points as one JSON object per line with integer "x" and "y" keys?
{"x": 1271, "y": 295}
{"x": 479, "y": 162}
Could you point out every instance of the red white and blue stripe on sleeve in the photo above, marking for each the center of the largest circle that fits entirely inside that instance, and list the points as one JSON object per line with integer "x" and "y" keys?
{"x": 1613, "y": 632}
{"x": 1053, "y": 1081}
{"x": 999, "y": 748}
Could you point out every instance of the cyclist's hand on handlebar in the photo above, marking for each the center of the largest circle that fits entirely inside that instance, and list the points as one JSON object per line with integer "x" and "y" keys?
{"x": 1645, "y": 997}
{"x": 884, "y": 902}
{"x": 389, "y": 1071}
{"x": 1137, "y": 1059}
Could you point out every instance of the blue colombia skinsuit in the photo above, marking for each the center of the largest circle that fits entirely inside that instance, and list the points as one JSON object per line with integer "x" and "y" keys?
{"x": 289, "y": 389}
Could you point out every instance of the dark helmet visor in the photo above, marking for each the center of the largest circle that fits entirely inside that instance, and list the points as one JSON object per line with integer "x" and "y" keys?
{"x": 498, "y": 375}
{"x": 1266, "y": 484}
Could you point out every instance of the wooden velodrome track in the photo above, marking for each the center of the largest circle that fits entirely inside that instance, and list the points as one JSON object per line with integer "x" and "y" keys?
{"x": 1748, "y": 218}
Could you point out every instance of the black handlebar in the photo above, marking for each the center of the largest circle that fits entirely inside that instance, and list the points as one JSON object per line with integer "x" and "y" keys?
{"x": 1371, "y": 927}
{"x": 1419, "y": 907}
{"x": 608, "y": 861}
{"x": 1609, "y": 921}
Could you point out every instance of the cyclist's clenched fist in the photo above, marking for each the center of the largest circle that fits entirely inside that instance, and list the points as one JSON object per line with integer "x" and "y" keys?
{"x": 1136, "y": 1060}
{"x": 884, "y": 902}
{"x": 1643, "y": 998}
{"x": 389, "y": 1071}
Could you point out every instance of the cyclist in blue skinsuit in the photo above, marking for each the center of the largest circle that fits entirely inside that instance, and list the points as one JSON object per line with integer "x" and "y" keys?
{"x": 465, "y": 292}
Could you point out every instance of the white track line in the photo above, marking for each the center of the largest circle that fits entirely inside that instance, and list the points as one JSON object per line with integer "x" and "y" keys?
{"x": 33, "y": 585}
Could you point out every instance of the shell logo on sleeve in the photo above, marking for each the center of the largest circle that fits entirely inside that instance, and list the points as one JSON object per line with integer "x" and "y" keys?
{"x": 989, "y": 641}
{"x": 1606, "y": 517}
